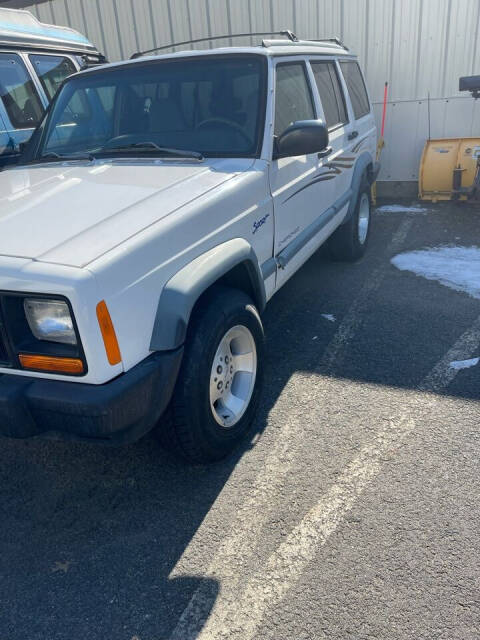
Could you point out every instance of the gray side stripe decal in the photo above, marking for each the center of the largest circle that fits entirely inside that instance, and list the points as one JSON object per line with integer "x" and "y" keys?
{"x": 327, "y": 175}
{"x": 268, "y": 268}
{"x": 289, "y": 252}
{"x": 311, "y": 231}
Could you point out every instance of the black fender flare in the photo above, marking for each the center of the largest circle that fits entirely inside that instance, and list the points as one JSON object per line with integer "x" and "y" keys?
{"x": 182, "y": 291}
{"x": 364, "y": 165}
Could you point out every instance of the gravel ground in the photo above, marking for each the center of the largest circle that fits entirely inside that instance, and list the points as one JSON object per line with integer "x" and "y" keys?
{"x": 353, "y": 513}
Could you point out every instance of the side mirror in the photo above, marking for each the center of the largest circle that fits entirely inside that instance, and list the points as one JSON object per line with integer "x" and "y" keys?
{"x": 302, "y": 138}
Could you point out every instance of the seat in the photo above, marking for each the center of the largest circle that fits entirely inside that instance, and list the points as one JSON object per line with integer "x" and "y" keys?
{"x": 30, "y": 112}
{"x": 13, "y": 110}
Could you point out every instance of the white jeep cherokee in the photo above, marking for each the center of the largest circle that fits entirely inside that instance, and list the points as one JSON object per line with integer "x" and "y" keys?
{"x": 159, "y": 205}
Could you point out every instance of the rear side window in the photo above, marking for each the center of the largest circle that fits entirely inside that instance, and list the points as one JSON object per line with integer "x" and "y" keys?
{"x": 18, "y": 93}
{"x": 330, "y": 92}
{"x": 356, "y": 88}
{"x": 293, "y": 99}
{"x": 52, "y": 71}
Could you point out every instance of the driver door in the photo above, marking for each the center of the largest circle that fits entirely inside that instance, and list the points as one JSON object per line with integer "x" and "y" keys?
{"x": 300, "y": 191}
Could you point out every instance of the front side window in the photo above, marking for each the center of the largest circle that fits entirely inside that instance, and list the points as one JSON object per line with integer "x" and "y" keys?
{"x": 212, "y": 105}
{"x": 293, "y": 99}
{"x": 356, "y": 88}
{"x": 330, "y": 92}
{"x": 52, "y": 71}
{"x": 18, "y": 94}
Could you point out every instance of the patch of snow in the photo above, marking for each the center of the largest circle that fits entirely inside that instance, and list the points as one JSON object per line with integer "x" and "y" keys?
{"x": 464, "y": 364}
{"x": 400, "y": 208}
{"x": 454, "y": 267}
{"x": 328, "y": 316}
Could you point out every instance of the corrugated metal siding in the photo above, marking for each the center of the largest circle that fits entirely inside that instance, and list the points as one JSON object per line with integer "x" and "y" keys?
{"x": 419, "y": 46}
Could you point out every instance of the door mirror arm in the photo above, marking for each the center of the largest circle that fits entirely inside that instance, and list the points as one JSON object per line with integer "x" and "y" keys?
{"x": 275, "y": 152}
{"x": 326, "y": 152}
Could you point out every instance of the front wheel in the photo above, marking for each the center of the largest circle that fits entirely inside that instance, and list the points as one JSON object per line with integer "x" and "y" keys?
{"x": 218, "y": 388}
{"x": 349, "y": 242}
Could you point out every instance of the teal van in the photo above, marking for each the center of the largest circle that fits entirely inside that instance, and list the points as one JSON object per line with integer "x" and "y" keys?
{"x": 35, "y": 59}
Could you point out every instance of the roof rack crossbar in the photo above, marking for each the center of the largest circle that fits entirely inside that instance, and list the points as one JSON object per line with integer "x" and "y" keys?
{"x": 285, "y": 32}
{"x": 335, "y": 40}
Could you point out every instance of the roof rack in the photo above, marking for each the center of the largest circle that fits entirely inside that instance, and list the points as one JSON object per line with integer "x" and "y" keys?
{"x": 289, "y": 39}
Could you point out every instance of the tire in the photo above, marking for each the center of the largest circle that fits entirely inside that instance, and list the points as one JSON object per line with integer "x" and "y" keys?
{"x": 196, "y": 428}
{"x": 349, "y": 242}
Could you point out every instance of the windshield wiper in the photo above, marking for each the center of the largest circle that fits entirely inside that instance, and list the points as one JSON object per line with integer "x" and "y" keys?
{"x": 52, "y": 156}
{"x": 152, "y": 146}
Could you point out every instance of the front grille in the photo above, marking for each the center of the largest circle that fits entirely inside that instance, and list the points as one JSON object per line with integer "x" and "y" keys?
{"x": 4, "y": 359}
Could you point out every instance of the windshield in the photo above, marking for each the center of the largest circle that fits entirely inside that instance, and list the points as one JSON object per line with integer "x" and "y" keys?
{"x": 210, "y": 105}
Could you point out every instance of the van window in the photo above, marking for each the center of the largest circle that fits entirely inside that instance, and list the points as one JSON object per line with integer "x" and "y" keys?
{"x": 18, "y": 93}
{"x": 293, "y": 99}
{"x": 52, "y": 71}
{"x": 330, "y": 92}
{"x": 356, "y": 88}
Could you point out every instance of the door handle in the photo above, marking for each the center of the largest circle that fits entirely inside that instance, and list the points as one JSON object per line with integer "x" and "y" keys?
{"x": 326, "y": 152}
{"x": 353, "y": 135}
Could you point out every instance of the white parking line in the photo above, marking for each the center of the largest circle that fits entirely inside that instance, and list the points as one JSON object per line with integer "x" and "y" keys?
{"x": 443, "y": 373}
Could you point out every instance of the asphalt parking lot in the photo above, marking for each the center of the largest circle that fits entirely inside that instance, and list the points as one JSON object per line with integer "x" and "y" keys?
{"x": 354, "y": 513}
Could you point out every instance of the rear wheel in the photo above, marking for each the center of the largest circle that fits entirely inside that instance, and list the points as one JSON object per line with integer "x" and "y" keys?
{"x": 349, "y": 242}
{"x": 219, "y": 384}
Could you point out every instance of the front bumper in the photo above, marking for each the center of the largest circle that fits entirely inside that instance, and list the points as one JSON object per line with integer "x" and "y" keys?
{"x": 117, "y": 412}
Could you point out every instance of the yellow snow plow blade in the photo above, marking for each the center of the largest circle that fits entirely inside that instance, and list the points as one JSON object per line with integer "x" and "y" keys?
{"x": 446, "y": 165}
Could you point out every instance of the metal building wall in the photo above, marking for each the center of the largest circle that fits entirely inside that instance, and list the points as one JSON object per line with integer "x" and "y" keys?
{"x": 419, "y": 46}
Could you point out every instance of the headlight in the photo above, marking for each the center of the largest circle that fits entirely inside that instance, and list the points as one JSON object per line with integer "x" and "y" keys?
{"x": 50, "y": 320}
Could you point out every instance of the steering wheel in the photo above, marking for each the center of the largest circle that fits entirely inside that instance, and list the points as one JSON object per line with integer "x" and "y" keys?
{"x": 228, "y": 124}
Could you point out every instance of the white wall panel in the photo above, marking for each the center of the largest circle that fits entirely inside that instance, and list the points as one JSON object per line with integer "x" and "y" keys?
{"x": 379, "y": 50}
{"x": 330, "y": 19}
{"x": 220, "y": 20}
{"x": 461, "y": 43}
{"x": 162, "y": 23}
{"x": 354, "y": 21}
{"x": 142, "y": 24}
{"x": 432, "y": 48}
{"x": 282, "y": 14}
{"x": 306, "y": 18}
{"x": 94, "y": 27}
{"x": 418, "y": 46}
{"x": 407, "y": 130}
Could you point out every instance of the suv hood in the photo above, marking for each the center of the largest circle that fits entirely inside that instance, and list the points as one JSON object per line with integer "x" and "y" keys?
{"x": 72, "y": 213}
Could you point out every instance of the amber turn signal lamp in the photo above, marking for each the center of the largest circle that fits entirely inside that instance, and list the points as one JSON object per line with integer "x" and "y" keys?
{"x": 108, "y": 334}
{"x": 73, "y": 366}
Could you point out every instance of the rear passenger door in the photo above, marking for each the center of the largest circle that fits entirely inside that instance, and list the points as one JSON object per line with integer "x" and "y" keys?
{"x": 335, "y": 115}
{"x": 300, "y": 196}
{"x": 362, "y": 134}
